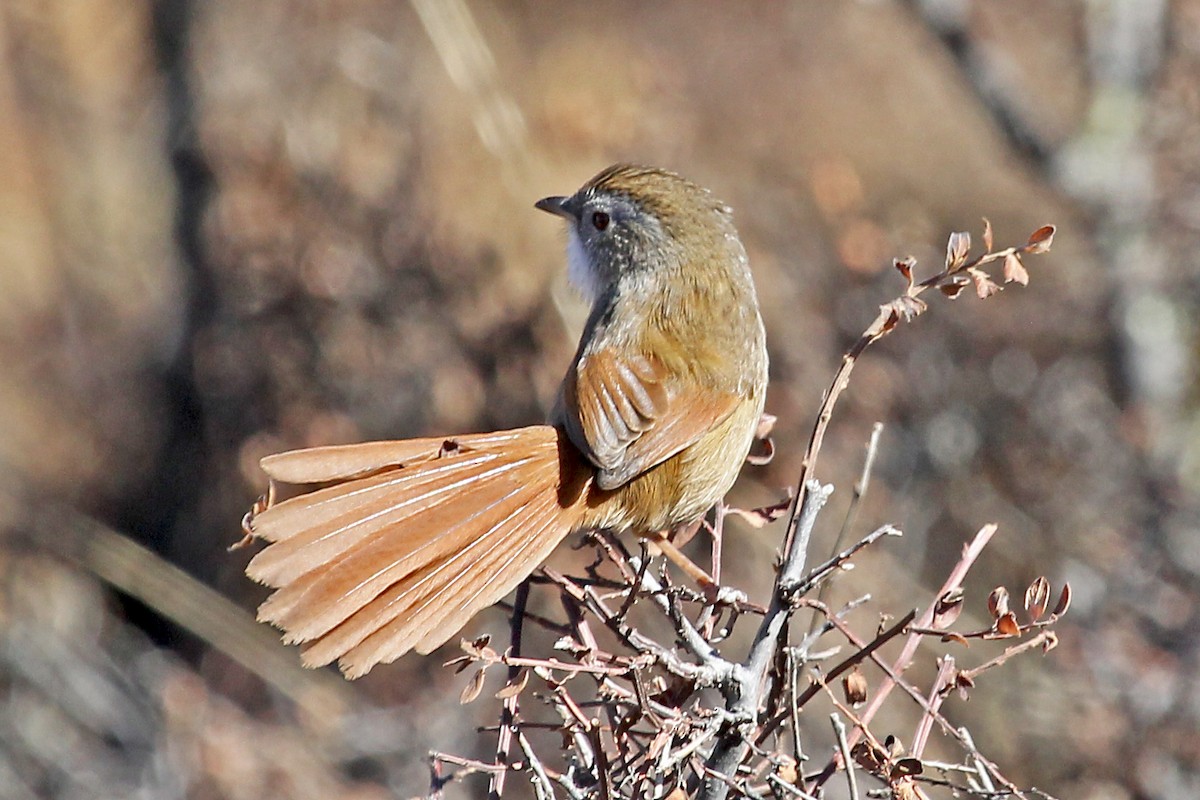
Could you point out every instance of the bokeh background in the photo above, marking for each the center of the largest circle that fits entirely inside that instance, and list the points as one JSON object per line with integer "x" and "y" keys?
{"x": 228, "y": 228}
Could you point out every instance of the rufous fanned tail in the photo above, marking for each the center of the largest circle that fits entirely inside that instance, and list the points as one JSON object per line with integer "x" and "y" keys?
{"x": 393, "y": 546}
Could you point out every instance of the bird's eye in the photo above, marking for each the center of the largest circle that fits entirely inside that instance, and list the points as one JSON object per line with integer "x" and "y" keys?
{"x": 600, "y": 220}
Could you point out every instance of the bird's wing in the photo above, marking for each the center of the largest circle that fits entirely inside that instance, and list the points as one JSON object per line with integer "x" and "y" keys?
{"x": 627, "y": 415}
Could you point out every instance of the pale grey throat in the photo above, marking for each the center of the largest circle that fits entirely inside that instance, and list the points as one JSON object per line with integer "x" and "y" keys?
{"x": 580, "y": 272}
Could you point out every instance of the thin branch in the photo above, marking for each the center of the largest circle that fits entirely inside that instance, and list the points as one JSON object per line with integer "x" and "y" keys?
{"x": 1045, "y": 640}
{"x": 858, "y": 657}
{"x": 542, "y": 787}
{"x": 839, "y": 730}
{"x": 821, "y": 572}
{"x": 510, "y": 707}
{"x": 944, "y": 679}
{"x": 971, "y": 552}
{"x": 861, "y": 486}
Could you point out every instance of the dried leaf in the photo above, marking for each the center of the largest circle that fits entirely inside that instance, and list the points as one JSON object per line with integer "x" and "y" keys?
{"x": 1064, "y": 601}
{"x": 905, "y": 789}
{"x": 964, "y": 683}
{"x": 869, "y": 756}
{"x": 1037, "y": 597}
{"x": 854, "y": 686}
{"x": 1040, "y": 240}
{"x": 907, "y": 307}
{"x": 954, "y": 286}
{"x": 985, "y": 287}
{"x": 987, "y": 234}
{"x": 786, "y": 769}
{"x": 766, "y": 456}
{"x": 1014, "y": 270}
{"x": 1007, "y": 625}
{"x": 758, "y": 517}
{"x": 958, "y": 246}
{"x": 998, "y": 602}
{"x": 893, "y": 745}
{"x": 957, "y": 638}
{"x": 473, "y": 687}
{"x": 947, "y": 608}
{"x": 459, "y": 663}
{"x": 905, "y": 267}
{"x": 1050, "y": 642}
{"x": 514, "y": 687}
{"x": 766, "y": 424}
{"x": 906, "y": 767}
{"x": 476, "y": 646}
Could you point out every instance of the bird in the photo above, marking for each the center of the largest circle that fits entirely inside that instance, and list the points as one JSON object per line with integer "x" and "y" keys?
{"x": 380, "y": 548}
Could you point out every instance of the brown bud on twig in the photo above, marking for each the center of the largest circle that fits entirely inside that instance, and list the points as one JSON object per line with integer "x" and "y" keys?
{"x": 905, "y": 267}
{"x": 869, "y": 756}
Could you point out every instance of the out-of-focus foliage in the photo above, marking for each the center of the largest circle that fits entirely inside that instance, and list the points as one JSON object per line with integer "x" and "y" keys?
{"x": 228, "y": 228}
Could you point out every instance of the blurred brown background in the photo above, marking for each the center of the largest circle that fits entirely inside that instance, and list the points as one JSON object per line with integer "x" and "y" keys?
{"x": 228, "y": 228}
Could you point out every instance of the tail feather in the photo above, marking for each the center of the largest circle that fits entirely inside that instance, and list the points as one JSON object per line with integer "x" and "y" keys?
{"x": 332, "y": 549}
{"x": 341, "y": 462}
{"x": 401, "y": 556}
{"x": 431, "y": 605}
{"x": 323, "y": 597}
{"x": 298, "y": 519}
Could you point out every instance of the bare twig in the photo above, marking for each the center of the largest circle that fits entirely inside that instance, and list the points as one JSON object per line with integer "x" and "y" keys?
{"x": 858, "y": 656}
{"x": 971, "y": 552}
{"x": 510, "y": 706}
{"x": 945, "y": 678}
{"x": 1045, "y": 640}
{"x": 860, "y": 487}
{"x": 839, "y": 730}
{"x": 819, "y": 573}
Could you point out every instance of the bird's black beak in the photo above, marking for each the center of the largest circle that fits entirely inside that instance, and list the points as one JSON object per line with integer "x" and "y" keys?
{"x": 556, "y": 205}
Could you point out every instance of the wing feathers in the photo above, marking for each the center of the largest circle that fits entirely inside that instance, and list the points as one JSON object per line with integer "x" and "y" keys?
{"x": 628, "y": 416}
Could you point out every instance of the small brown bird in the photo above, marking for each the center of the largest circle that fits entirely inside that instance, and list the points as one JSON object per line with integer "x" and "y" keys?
{"x": 393, "y": 546}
